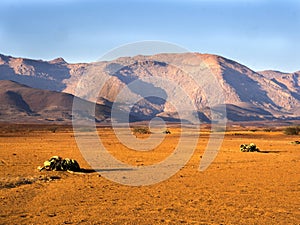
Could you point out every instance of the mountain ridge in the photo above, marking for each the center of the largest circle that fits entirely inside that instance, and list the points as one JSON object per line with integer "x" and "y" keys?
{"x": 249, "y": 95}
{"x": 21, "y": 103}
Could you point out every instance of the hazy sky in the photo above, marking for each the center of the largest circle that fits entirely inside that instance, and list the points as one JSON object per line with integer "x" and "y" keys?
{"x": 259, "y": 34}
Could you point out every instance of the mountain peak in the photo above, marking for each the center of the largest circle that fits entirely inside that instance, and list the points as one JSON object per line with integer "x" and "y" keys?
{"x": 58, "y": 60}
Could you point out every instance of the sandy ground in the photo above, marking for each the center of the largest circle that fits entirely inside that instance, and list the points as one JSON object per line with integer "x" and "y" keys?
{"x": 237, "y": 188}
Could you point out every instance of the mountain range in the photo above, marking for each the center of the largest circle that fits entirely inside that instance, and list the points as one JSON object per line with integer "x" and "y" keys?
{"x": 37, "y": 90}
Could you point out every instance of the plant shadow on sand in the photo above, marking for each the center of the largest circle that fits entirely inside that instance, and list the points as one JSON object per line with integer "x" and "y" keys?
{"x": 266, "y": 151}
{"x": 103, "y": 170}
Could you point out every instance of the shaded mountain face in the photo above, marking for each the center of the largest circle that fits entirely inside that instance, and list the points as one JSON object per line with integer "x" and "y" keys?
{"x": 20, "y": 103}
{"x": 248, "y": 95}
{"x": 287, "y": 81}
{"x": 47, "y": 75}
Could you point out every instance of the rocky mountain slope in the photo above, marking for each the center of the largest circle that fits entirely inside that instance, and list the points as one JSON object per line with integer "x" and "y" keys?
{"x": 248, "y": 95}
{"x": 20, "y": 103}
{"x": 47, "y": 75}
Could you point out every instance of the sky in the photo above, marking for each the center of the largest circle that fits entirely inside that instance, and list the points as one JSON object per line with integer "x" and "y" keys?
{"x": 261, "y": 34}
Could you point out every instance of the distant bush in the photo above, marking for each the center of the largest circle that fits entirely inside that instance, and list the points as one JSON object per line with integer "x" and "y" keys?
{"x": 267, "y": 130}
{"x": 53, "y": 129}
{"x": 166, "y": 131}
{"x": 141, "y": 130}
{"x": 292, "y": 130}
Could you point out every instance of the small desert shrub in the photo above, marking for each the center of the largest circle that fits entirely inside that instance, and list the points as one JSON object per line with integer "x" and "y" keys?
{"x": 267, "y": 130}
{"x": 166, "y": 131}
{"x": 141, "y": 130}
{"x": 249, "y": 148}
{"x": 53, "y": 129}
{"x": 292, "y": 130}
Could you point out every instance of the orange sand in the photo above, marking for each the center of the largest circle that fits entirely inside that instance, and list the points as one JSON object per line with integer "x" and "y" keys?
{"x": 237, "y": 188}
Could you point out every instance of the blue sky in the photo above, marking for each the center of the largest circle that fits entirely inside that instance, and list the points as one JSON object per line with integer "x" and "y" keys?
{"x": 260, "y": 34}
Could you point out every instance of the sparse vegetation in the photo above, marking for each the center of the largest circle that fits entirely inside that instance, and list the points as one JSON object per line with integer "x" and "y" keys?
{"x": 237, "y": 134}
{"x": 167, "y": 131}
{"x": 292, "y": 130}
{"x": 249, "y": 148}
{"x": 267, "y": 130}
{"x": 26, "y": 129}
{"x": 53, "y": 129}
{"x": 141, "y": 130}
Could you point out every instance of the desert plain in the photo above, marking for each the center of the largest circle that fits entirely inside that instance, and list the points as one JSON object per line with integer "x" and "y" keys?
{"x": 237, "y": 188}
